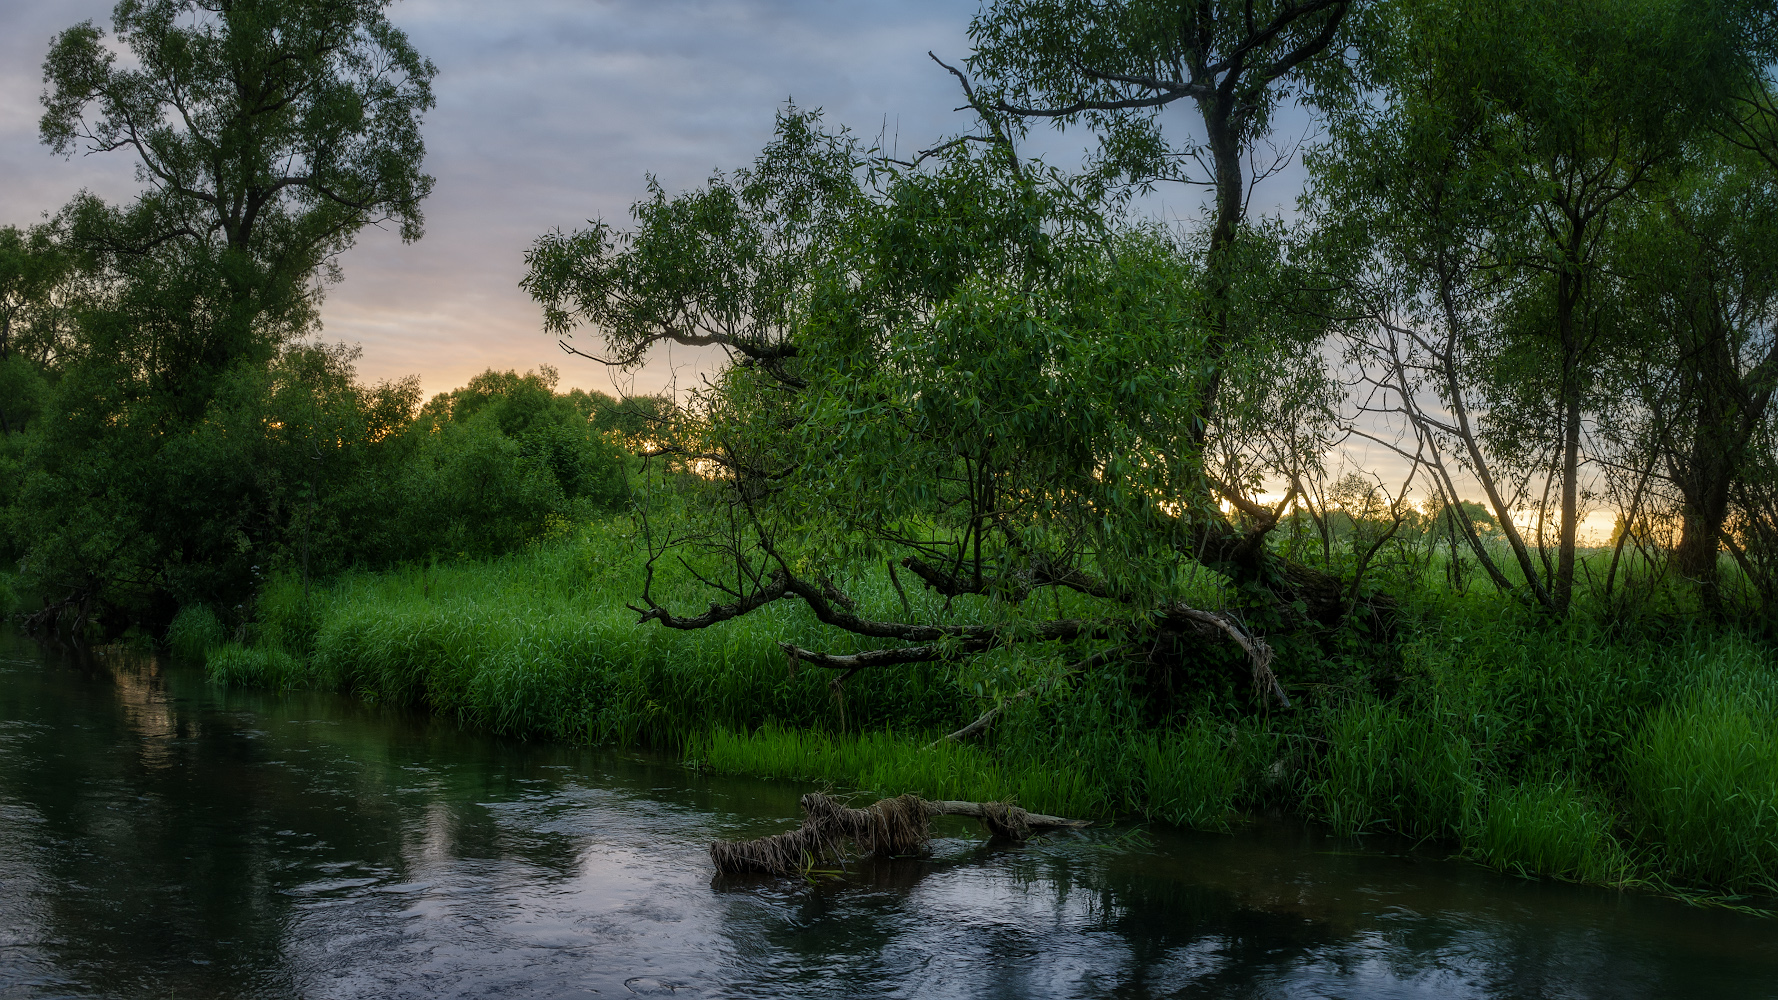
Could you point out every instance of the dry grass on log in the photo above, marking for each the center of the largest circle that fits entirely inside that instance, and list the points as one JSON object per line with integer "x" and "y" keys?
{"x": 888, "y": 827}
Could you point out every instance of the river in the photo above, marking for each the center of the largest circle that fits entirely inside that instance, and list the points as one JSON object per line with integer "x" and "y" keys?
{"x": 161, "y": 837}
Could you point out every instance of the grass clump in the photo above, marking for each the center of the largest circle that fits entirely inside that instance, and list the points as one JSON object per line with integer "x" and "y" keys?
{"x": 195, "y": 630}
{"x": 1545, "y": 828}
{"x": 1388, "y": 769}
{"x": 1703, "y": 776}
{"x": 266, "y": 667}
{"x": 883, "y": 763}
{"x": 1190, "y": 777}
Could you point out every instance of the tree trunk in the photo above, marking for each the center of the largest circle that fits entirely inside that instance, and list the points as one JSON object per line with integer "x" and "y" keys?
{"x": 1225, "y": 154}
{"x": 1567, "y": 297}
{"x": 1710, "y": 465}
{"x": 1705, "y": 488}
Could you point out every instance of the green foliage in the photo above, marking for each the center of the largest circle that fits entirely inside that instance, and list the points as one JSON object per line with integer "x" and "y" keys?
{"x": 488, "y": 464}
{"x": 178, "y": 430}
{"x": 881, "y": 763}
{"x": 259, "y": 666}
{"x": 1544, "y": 217}
{"x": 292, "y": 124}
{"x": 956, "y": 365}
{"x": 537, "y": 643}
{"x": 1546, "y": 829}
{"x": 1567, "y": 750}
{"x": 1236, "y": 62}
{"x": 195, "y": 631}
{"x": 296, "y": 466}
{"x": 1703, "y": 778}
{"x": 1386, "y": 769}
{"x": 1190, "y": 776}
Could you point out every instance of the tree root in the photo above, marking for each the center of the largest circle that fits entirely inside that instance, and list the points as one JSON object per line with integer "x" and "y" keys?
{"x": 901, "y": 825}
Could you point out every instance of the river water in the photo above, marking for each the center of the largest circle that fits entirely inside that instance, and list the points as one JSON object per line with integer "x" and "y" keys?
{"x": 160, "y": 837}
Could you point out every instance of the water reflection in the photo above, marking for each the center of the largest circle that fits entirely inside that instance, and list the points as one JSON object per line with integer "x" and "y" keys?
{"x": 159, "y": 837}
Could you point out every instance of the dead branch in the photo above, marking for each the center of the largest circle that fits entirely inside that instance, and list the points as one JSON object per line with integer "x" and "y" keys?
{"x": 886, "y": 828}
{"x": 1259, "y": 653}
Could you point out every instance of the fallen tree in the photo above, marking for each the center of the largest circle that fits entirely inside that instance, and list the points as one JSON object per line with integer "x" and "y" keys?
{"x": 886, "y": 828}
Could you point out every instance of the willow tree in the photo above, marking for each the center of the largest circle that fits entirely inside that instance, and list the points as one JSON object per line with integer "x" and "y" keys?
{"x": 953, "y": 370}
{"x": 1117, "y": 67}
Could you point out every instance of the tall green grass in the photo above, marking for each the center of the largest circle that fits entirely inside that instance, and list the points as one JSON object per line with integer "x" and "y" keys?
{"x": 1192, "y": 776}
{"x": 1542, "y": 828}
{"x": 883, "y": 763}
{"x": 194, "y": 631}
{"x": 539, "y": 644}
{"x": 257, "y": 666}
{"x": 1387, "y": 769}
{"x": 1567, "y": 750}
{"x": 1703, "y": 778}
{"x": 1187, "y": 778}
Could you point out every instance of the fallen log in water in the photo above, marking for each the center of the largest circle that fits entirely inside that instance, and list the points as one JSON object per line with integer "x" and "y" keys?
{"x": 901, "y": 825}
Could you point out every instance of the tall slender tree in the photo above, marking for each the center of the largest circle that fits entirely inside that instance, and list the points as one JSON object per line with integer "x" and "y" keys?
{"x": 1117, "y": 66}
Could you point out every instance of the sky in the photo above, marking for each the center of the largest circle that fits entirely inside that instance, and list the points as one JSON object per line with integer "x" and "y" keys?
{"x": 551, "y": 113}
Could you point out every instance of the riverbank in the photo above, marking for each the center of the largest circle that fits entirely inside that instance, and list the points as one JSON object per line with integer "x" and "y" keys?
{"x": 162, "y": 836}
{"x": 1621, "y": 758}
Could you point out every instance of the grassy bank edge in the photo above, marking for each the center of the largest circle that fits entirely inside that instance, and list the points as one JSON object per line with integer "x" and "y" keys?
{"x": 1543, "y": 754}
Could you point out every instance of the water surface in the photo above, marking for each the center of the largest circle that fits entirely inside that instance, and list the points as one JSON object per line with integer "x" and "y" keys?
{"x": 160, "y": 837}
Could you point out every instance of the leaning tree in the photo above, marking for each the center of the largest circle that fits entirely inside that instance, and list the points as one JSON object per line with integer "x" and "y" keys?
{"x": 954, "y": 369}
{"x": 957, "y": 362}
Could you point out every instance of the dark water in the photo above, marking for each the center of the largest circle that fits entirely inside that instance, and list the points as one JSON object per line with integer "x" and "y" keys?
{"x": 161, "y": 838}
